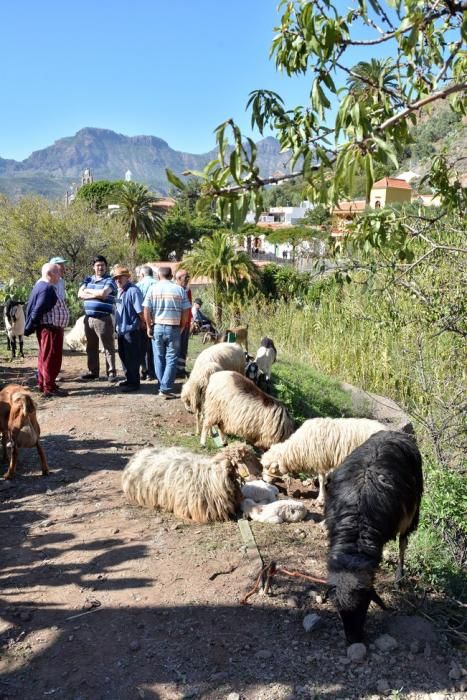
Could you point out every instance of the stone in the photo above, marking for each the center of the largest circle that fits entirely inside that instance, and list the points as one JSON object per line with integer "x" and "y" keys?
{"x": 134, "y": 645}
{"x": 382, "y": 686}
{"x": 386, "y": 643}
{"x": 356, "y": 652}
{"x": 263, "y": 654}
{"x": 233, "y": 696}
{"x": 455, "y": 674}
{"x": 415, "y": 647}
{"x": 291, "y": 602}
{"x": 411, "y": 628}
{"x": 311, "y": 622}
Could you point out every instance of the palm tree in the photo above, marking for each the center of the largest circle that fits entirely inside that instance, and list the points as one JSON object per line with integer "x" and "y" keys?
{"x": 215, "y": 257}
{"x": 139, "y": 211}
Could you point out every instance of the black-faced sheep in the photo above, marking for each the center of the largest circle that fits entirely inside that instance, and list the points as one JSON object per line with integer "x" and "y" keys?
{"x": 214, "y": 359}
{"x": 373, "y": 496}
{"x": 318, "y": 446}
{"x": 285, "y": 510}
{"x": 14, "y": 325}
{"x": 192, "y": 486}
{"x": 237, "y": 406}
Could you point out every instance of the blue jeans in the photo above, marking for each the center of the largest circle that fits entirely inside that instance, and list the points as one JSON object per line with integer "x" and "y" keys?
{"x": 166, "y": 346}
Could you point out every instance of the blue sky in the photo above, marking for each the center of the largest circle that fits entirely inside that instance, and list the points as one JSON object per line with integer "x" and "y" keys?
{"x": 171, "y": 69}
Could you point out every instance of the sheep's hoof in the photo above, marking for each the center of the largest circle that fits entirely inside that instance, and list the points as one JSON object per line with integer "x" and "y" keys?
{"x": 45, "y": 473}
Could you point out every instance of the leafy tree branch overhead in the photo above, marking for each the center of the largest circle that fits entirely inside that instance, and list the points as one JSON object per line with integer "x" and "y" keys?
{"x": 378, "y": 100}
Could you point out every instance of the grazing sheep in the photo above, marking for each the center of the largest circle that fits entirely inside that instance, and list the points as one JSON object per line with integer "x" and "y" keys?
{"x": 283, "y": 511}
{"x": 214, "y": 359}
{"x": 373, "y": 496}
{"x": 238, "y": 407}
{"x": 260, "y": 491}
{"x": 18, "y": 424}
{"x": 76, "y": 338}
{"x": 192, "y": 486}
{"x": 318, "y": 446}
{"x": 14, "y": 325}
{"x": 266, "y": 355}
{"x": 240, "y": 332}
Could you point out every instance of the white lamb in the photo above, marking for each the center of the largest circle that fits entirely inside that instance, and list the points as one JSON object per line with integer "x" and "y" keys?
{"x": 266, "y": 355}
{"x": 318, "y": 446}
{"x": 260, "y": 491}
{"x": 237, "y": 406}
{"x": 214, "y": 359}
{"x": 283, "y": 511}
{"x": 76, "y": 338}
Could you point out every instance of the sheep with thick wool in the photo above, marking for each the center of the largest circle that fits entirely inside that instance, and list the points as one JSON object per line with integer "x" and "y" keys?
{"x": 318, "y": 446}
{"x": 214, "y": 359}
{"x": 371, "y": 498}
{"x": 237, "y": 406}
{"x": 192, "y": 486}
{"x": 76, "y": 338}
{"x": 285, "y": 510}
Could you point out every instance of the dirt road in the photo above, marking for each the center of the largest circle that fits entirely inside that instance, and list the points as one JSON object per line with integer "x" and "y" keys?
{"x": 101, "y": 600}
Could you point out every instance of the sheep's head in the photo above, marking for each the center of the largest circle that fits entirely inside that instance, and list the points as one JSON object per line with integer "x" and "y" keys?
{"x": 352, "y": 597}
{"x": 272, "y": 462}
{"x": 187, "y": 397}
{"x": 243, "y": 458}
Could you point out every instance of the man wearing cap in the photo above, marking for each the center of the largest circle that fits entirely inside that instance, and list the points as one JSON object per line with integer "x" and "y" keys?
{"x": 182, "y": 278}
{"x": 99, "y": 293}
{"x": 129, "y": 319}
{"x": 60, "y": 286}
{"x": 166, "y": 308}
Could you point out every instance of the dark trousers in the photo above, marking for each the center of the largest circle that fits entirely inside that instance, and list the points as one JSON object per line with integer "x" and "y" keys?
{"x": 129, "y": 349}
{"x": 147, "y": 356}
{"x": 49, "y": 359}
{"x": 181, "y": 360}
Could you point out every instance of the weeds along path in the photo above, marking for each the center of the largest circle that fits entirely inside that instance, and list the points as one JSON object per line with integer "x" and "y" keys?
{"x": 100, "y": 599}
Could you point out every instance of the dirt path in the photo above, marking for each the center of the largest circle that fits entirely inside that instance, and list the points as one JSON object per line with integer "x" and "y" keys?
{"x": 102, "y": 600}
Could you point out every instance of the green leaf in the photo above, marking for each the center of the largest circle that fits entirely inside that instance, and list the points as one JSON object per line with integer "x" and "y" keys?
{"x": 174, "y": 180}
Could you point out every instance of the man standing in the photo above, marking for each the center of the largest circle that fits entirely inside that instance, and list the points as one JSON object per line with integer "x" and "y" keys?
{"x": 146, "y": 280}
{"x": 182, "y": 278}
{"x": 47, "y": 315}
{"x": 60, "y": 286}
{"x": 166, "y": 308}
{"x": 129, "y": 319}
{"x": 99, "y": 293}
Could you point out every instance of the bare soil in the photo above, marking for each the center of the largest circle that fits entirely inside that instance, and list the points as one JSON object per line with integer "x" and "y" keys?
{"x": 100, "y": 599}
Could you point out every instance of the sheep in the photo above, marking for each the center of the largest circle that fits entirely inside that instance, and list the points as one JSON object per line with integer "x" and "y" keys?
{"x": 284, "y": 511}
{"x": 318, "y": 446}
{"x": 266, "y": 355}
{"x": 192, "y": 486}
{"x": 260, "y": 491}
{"x": 213, "y": 359}
{"x": 14, "y": 325}
{"x": 18, "y": 423}
{"x": 238, "y": 407}
{"x": 76, "y": 338}
{"x": 240, "y": 333}
{"x": 373, "y": 496}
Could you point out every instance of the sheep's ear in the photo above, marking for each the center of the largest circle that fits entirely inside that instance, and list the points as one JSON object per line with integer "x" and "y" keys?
{"x": 376, "y": 599}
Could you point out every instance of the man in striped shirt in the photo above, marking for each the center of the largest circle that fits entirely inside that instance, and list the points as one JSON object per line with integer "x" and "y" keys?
{"x": 99, "y": 293}
{"x": 166, "y": 308}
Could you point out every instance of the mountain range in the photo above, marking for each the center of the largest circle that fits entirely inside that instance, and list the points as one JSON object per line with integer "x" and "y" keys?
{"x": 52, "y": 170}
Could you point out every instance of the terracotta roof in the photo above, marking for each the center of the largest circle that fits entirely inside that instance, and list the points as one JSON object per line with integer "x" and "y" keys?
{"x": 354, "y": 205}
{"x": 393, "y": 182}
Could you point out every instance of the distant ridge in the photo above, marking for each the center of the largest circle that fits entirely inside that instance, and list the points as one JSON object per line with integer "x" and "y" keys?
{"x": 50, "y": 171}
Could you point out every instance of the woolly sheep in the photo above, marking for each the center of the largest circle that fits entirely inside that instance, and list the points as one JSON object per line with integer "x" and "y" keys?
{"x": 14, "y": 326}
{"x": 76, "y": 338}
{"x": 214, "y": 359}
{"x": 283, "y": 511}
{"x": 237, "y": 406}
{"x": 192, "y": 486}
{"x": 318, "y": 446}
{"x": 373, "y": 496}
{"x": 260, "y": 491}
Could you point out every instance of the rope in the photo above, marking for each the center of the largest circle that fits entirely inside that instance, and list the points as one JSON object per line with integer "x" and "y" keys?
{"x": 268, "y": 572}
